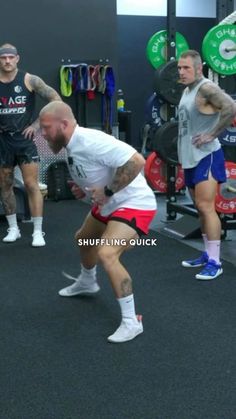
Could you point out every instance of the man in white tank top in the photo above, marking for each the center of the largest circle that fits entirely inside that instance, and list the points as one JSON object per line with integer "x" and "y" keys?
{"x": 108, "y": 172}
{"x": 204, "y": 112}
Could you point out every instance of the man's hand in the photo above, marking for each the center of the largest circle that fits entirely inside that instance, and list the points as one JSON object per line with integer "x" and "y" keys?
{"x": 97, "y": 196}
{"x": 200, "y": 139}
{"x": 76, "y": 190}
{"x": 30, "y": 132}
{"x": 234, "y": 122}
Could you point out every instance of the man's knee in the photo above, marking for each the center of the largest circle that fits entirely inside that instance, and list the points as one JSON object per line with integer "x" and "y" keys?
{"x": 78, "y": 235}
{"x": 108, "y": 255}
{"x": 90, "y": 230}
{"x": 31, "y": 186}
{"x": 84, "y": 237}
{"x": 205, "y": 207}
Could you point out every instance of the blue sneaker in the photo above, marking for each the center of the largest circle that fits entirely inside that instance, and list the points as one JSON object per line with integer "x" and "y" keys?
{"x": 211, "y": 271}
{"x": 195, "y": 263}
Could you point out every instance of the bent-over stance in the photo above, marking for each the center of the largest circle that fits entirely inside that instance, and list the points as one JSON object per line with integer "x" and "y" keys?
{"x": 108, "y": 172}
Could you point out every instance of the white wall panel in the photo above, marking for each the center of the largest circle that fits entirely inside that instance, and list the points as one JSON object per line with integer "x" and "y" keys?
{"x": 185, "y": 8}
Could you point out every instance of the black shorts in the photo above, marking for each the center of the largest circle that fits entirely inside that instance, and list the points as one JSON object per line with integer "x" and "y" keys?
{"x": 15, "y": 150}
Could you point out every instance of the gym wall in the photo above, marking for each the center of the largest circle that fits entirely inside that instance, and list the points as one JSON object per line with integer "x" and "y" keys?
{"x": 46, "y": 31}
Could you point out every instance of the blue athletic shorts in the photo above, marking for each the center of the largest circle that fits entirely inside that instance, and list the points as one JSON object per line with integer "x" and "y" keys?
{"x": 214, "y": 163}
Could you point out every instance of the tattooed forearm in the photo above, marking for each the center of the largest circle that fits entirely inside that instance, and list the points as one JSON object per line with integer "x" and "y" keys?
{"x": 223, "y": 123}
{"x": 126, "y": 287}
{"x": 227, "y": 114}
{"x": 124, "y": 175}
{"x": 221, "y": 102}
{"x": 128, "y": 172}
{"x": 42, "y": 89}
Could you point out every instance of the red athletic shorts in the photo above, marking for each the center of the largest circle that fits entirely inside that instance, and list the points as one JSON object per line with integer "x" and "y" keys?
{"x": 138, "y": 219}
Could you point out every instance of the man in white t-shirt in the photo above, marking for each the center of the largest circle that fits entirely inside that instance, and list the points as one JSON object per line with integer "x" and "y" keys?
{"x": 108, "y": 172}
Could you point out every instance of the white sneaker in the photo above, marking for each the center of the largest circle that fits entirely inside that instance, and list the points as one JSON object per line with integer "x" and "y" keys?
{"x": 38, "y": 240}
{"x": 128, "y": 330}
{"x": 79, "y": 288}
{"x": 12, "y": 236}
{"x": 42, "y": 186}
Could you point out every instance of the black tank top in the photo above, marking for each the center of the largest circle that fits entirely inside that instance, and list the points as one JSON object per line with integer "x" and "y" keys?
{"x": 16, "y": 104}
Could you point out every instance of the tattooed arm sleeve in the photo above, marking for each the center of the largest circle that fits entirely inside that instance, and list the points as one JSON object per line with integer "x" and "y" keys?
{"x": 128, "y": 172}
{"x": 42, "y": 89}
{"x": 222, "y": 102}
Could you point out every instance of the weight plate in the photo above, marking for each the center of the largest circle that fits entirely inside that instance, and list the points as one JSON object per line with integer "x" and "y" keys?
{"x": 226, "y": 192}
{"x": 156, "y": 49}
{"x": 155, "y": 110}
{"x": 166, "y": 82}
{"x": 152, "y": 110}
{"x": 147, "y": 134}
{"x": 156, "y": 173}
{"x": 165, "y": 142}
{"x": 214, "y": 49}
{"x": 228, "y": 137}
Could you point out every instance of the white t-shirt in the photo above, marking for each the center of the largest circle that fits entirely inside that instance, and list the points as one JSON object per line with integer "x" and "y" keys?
{"x": 94, "y": 156}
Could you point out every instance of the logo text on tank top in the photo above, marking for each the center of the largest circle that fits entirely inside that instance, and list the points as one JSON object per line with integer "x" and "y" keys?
{"x": 12, "y": 105}
{"x": 184, "y": 119}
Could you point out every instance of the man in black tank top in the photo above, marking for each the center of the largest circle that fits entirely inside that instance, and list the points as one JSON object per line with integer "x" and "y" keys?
{"x": 17, "y": 132}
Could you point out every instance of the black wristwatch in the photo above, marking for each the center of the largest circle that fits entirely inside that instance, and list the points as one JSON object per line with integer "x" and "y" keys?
{"x": 108, "y": 192}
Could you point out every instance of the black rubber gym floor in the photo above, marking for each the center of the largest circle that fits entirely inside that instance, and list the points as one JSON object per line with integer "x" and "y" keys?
{"x": 56, "y": 361}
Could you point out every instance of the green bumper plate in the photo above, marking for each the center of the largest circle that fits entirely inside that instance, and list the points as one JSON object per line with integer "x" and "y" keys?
{"x": 156, "y": 49}
{"x": 218, "y": 49}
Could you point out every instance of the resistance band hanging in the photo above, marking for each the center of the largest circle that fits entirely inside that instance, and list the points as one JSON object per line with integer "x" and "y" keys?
{"x": 108, "y": 83}
{"x": 90, "y": 79}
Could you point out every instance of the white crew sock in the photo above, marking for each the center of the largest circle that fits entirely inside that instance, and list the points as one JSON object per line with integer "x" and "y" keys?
{"x": 89, "y": 275}
{"x": 12, "y": 220}
{"x": 205, "y": 241}
{"x": 127, "y": 307}
{"x": 214, "y": 250}
{"x": 37, "y": 221}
